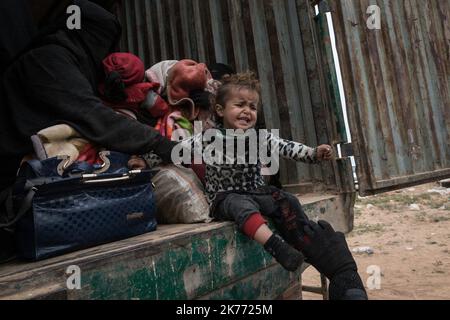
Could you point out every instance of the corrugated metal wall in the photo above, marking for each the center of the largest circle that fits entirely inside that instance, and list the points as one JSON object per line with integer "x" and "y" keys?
{"x": 273, "y": 38}
{"x": 397, "y": 87}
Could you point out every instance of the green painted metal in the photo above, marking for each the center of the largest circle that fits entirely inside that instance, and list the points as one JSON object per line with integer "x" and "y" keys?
{"x": 267, "y": 284}
{"x": 221, "y": 264}
{"x": 331, "y": 76}
{"x": 189, "y": 270}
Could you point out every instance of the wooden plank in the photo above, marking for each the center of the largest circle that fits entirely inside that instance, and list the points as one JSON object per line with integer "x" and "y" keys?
{"x": 139, "y": 31}
{"x": 172, "y": 16}
{"x": 164, "y": 233}
{"x": 152, "y": 59}
{"x": 174, "y": 262}
{"x": 183, "y": 269}
{"x": 300, "y": 72}
{"x": 270, "y": 104}
{"x": 218, "y": 32}
{"x": 199, "y": 30}
{"x": 300, "y": 101}
{"x": 296, "y": 117}
{"x": 265, "y": 71}
{"x": 267, "y": 284}
{"x": 50, "y": 292}
{"x": 129, "y": 26}
{"x": 162, "y": 31}
{"x": 186, "y": 28}
{"x": 120, "y": 12}
{"x": 238, "y": 35}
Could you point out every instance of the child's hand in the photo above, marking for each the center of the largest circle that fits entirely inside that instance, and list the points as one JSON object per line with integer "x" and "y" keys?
{"x": 324, "y": 152}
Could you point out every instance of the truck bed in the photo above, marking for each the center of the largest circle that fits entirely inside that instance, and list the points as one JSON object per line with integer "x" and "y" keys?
{"x": 191, "y": 261}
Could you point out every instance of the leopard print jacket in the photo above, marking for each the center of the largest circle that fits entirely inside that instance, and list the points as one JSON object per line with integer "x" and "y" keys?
{"x": 233, "y": 169}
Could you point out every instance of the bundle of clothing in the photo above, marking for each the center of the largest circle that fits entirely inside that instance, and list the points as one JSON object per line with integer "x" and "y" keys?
{"x": 159, "y": 97}
{"x": 63, "y": 140}
{"x": 187, "y": 86}
{"x": 179, "y": 82}
{"x": 125, "y": 89}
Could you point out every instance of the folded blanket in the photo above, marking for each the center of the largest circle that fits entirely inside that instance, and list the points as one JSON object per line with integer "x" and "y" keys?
{"x": 63, "y": 140}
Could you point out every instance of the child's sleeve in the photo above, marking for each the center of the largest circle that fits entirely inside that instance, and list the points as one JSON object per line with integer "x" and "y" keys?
{"x": 187, "y": 145}
{"x": 292, "y": 150}
{"x": 152, "y": 159}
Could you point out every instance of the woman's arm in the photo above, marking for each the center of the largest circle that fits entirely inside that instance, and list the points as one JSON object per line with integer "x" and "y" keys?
{"x": 55, "y": 85}
{"x": 182, "y": 153}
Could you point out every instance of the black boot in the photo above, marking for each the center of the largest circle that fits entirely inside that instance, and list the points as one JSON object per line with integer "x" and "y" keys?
{"x": 328, "y": 252}
{"x": 347, "y": 286}
{"x": 283, "y": 253}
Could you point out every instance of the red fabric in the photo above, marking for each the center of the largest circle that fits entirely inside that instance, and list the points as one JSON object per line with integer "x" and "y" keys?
{"x": 131, "y": 70}
{"x": 252, "y": 224}
{"x": 160, "y": 108}
{"x": 137, "y": 92}
{"x": 200, "y": 171}
{"x": 136, "y": 95}
{"x": 156, "y": 105}
{"x": 129, "y": 66}
{"x": 89, "y": 154}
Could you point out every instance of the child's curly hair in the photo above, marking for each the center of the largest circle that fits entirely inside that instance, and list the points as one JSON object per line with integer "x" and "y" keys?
{"x": 243, "y": 80}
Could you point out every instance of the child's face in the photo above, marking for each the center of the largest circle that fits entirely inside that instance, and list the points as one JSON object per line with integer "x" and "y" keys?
{"x": 240, "y": 110}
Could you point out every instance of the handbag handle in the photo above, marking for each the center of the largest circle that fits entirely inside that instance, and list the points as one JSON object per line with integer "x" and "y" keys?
{"x": 106, "y": 162}
{"x": 66, "y": 163}
{"x": 91, "y": 178}
{"x": 26, "y": 204}
{"x": 106, "y": 180}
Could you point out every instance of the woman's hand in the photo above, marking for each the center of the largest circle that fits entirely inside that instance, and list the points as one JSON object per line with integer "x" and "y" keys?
{"x": 324, "y": 152}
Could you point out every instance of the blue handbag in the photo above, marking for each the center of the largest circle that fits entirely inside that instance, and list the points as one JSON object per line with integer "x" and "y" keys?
{"x": 63, "y": 209}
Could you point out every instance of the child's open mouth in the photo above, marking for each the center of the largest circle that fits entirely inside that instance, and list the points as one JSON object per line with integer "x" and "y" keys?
{"x": 244, "y": 120}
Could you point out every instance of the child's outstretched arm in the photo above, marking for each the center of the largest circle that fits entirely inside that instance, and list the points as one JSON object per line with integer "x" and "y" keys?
{"x": 324, "y": 152}
{"x": 298, "y": 151}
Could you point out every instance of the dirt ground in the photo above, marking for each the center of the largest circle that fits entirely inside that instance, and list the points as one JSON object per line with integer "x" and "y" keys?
{"x": 408, "y": 235}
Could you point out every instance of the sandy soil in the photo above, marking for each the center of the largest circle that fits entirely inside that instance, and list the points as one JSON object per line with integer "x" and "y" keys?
{"x": 409, "y": 233}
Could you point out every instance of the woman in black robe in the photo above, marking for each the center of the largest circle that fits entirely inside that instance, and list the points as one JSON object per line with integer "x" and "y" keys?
{"x": 56, "y": 82}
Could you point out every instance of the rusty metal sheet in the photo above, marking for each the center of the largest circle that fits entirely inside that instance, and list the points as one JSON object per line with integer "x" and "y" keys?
{"x": 272, "y": 38}
{"x": 397, "y": 87}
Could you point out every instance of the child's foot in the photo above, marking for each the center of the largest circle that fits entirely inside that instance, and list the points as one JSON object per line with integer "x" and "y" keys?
{"x": 286, "y": 255}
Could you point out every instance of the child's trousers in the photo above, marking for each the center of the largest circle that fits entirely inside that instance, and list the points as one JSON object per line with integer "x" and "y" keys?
{"x": 282, "y": 207}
